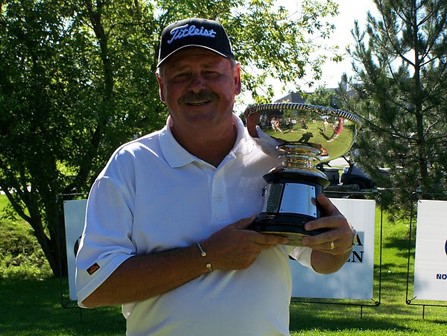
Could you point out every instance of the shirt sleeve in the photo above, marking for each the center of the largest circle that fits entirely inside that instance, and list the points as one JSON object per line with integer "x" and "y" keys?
{"x": 106, "y": 241}
{"x": 303, "y": 255}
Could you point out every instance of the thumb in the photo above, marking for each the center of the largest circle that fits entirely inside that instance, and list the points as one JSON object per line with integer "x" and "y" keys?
{"x": 327, "y": 205}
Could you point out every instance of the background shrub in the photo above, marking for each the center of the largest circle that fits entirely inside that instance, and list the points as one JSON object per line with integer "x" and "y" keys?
{"x": 20, "y": 254}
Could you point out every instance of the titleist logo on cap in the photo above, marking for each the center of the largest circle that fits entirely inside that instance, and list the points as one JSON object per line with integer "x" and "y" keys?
{"x": 197, "y": 33}
{"x": 187, "y": 30}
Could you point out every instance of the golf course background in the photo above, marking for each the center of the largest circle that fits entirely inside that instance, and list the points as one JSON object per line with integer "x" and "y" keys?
{"x": 32, "y": 301}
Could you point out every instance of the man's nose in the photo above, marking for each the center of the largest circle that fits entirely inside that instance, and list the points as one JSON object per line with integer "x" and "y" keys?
{"x": 197, "y": 82}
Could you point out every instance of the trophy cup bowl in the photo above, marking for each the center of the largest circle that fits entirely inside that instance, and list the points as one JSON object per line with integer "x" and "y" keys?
{"x": 306, "y": 135}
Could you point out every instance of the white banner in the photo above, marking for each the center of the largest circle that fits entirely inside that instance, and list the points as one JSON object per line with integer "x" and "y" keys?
{"x": 430, "y": 269}
{"x": 355, "y": 280}
{"x": 74, "y": 213}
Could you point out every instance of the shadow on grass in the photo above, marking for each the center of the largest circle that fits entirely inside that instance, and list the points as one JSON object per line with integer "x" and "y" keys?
{"x": 392, "y": 315}
{"x": 333, "y": 318}
{"x": 401, "y": 245}
{"x": 32, "y": 307}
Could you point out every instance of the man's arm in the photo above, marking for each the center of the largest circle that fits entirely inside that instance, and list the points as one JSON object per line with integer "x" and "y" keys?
{"x": 144, "y": 276}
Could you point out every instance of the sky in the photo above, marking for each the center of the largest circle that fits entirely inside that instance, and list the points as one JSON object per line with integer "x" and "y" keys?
{"x": 344, "y": 23}
{"x": 349, "y": 11}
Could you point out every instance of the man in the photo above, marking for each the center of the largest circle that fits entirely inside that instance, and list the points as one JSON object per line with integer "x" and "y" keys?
{"x": 167, "y": 219}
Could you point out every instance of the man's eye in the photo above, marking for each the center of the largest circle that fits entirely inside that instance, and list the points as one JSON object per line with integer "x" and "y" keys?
{"x": 211, "y": 74}
{"x": 181, "y": 75}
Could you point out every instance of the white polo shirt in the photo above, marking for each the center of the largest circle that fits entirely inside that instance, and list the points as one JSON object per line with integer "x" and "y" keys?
{"x": 152, "y": 196}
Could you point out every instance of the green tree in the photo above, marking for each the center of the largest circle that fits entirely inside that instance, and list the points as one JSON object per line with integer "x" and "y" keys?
{"x": 77, "y": 79}
{"x": 323, "y": 96}
{"x": 401, "y": 63}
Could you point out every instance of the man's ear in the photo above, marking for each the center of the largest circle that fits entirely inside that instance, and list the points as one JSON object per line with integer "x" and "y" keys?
{"x": 237, "y": 78}
{"x": 160, "y": 87}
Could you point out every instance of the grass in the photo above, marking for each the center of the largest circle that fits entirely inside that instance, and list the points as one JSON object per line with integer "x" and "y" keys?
{"x": 393, "y": 316}
{"x": 20, "y": 254}
{"x": 35, "y": 307}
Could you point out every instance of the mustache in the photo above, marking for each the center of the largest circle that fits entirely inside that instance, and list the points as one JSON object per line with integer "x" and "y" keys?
{"x": 199, "y": 97}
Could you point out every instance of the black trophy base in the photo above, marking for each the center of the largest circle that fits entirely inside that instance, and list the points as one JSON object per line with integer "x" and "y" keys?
{"x": 289, "y": 225}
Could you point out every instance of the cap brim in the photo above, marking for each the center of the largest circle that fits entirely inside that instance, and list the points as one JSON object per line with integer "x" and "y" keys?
{"x": 192, "y": 46}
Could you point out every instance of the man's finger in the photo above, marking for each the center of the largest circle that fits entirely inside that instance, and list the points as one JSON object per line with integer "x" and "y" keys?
{"x": 329, "y": 208}
{"x": 244, "y": 222}
{"x": 269, "y": 240}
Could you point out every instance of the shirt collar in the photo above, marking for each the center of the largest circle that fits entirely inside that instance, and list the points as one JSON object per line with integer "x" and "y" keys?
{"x": 177, "y": 156}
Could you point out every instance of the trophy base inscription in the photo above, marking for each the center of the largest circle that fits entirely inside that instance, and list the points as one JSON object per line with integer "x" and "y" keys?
{"x": 289, "y": 225}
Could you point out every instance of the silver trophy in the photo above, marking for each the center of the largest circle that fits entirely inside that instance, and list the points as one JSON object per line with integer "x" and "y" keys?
{"x": 306, "y": 135}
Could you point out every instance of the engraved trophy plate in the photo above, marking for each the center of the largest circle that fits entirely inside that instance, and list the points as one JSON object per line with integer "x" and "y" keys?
{"x": 306, "y": 135}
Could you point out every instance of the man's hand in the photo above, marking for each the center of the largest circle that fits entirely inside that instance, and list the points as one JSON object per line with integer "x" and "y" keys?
{"x": 331, "y": 248}
{"x": 235, "y": 247}
{"x": 340, "y": 236}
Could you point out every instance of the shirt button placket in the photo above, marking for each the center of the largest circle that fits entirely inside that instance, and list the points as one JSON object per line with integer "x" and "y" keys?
{"x": 220, "y": 203}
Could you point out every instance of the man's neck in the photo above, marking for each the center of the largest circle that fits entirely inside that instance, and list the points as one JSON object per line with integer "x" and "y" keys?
{"x": 210, "y": 146}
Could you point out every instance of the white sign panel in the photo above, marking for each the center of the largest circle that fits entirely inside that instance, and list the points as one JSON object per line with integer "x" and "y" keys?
{"x": 355, "y": 279}
{"x": 430, "y": 269}
{"x": 74, "y": 213}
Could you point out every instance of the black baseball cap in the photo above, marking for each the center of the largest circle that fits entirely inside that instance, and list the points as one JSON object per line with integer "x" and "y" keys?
{"x": 194, "y": 32}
